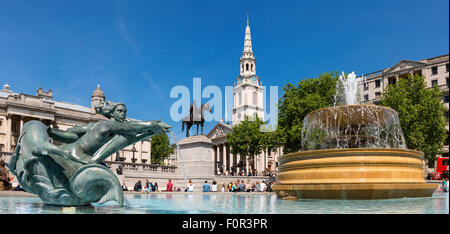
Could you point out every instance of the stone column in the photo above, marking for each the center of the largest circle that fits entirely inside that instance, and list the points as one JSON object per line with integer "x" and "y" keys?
{"x": 140, "y": 151}
{"x": 8, "y": 133}
{"x": 237, "y": 162}
{"x": 150, "y": 152}
{"x": 21, "y": 124}
{"x": 224, "y": 152}
{"x": 230, "y": 164}
{"x": 266, "y": 156}
{"x": 215, "y": 159}
{"x": 246, "y": 165}
{"x": 220, "y": 155}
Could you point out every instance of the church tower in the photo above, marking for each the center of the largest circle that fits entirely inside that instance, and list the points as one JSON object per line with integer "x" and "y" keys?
{"x": 248, "y": 90}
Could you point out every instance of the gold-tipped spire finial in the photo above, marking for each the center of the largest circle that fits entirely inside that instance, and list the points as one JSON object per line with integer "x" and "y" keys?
{"x": 247, "y": 19}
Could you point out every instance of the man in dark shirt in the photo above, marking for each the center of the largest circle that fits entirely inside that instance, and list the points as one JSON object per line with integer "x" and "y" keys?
{"x": 138, "y": 186}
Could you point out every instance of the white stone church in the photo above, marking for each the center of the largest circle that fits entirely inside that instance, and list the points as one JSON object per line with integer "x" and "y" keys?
{"x": 247, "y": 101}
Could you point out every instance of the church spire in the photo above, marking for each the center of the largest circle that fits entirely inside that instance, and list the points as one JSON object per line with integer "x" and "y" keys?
{"x": 248, "y": 61}
{"x": 247, "y": 40}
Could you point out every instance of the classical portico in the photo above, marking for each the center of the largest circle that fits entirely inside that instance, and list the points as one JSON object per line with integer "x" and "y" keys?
{"x": 225, "y": 162}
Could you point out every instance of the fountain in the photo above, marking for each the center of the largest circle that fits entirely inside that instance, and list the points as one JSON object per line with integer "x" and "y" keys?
{"x": 352, "y": 151}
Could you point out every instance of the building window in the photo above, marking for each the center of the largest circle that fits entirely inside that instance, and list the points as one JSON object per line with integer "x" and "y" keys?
{"x": 377, "y": 83}
{"x": 246, "y": 67}
{"x": 446, "y": 67}
{"x": 392, "y": 80}
{"x": 446, "y": 99}
{"x": 366, "y": 86}
{"x": 434, "y": 70}
{"x": 434, "y": 82}
{"x": 255, "y": 99}
{"x": 447, "y": 81}
{"x": 366, "y": 97}
{"x": 377, "y": 94}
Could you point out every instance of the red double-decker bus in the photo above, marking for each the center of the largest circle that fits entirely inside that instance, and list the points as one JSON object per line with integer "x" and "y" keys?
{"x": 441, "y": 168}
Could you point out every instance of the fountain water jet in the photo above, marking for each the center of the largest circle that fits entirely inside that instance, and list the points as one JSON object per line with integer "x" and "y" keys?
{"x": 352, "y": 151}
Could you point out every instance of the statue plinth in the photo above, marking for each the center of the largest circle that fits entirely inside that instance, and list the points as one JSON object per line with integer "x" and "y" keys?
{"x": 195, "y": 154}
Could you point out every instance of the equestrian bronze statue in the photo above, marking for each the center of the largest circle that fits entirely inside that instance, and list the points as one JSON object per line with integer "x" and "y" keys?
{"x": 195, "y": 117}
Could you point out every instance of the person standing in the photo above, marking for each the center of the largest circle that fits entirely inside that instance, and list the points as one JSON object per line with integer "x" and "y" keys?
{"x": 155, "y": 187}
{"x": 4, "y": 177}
{"x": 444, "y": 185}
{"x": 206, "y": 187}
{"x": 169, "y": 186}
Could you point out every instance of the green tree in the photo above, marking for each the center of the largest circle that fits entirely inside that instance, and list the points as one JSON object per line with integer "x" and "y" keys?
{"x": 421, "y": 114}
{"x": 247, "y": 140}
{"x": 299, "y": 100}
{"x": 161, "y": 148}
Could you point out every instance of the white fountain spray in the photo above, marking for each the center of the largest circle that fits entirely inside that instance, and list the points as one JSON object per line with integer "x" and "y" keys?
{"x": 347, "y": 89}
{"x": 348, "y": 124}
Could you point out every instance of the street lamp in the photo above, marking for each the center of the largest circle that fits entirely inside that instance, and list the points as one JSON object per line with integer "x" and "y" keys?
{"x": 117, "y": 156}
{"x": 134, "y": 151}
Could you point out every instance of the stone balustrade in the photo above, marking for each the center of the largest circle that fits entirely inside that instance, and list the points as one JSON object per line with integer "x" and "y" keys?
{"x": 140, "y": 167}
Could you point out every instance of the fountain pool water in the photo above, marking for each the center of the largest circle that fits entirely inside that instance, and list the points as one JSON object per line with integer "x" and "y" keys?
{"x": 233, "y": 203}
{"x": 352, "y": 151}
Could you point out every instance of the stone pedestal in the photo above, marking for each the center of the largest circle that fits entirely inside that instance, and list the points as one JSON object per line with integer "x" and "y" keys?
{"x": 195, "y": 160}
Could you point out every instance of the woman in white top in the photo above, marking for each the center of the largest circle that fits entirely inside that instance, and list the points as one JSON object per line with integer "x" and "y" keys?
{"x": 214, "y": 186}
{"x": 190, "y": 186}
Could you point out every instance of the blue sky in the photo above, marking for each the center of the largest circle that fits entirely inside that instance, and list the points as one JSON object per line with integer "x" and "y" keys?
{"x": 139, "y": 50}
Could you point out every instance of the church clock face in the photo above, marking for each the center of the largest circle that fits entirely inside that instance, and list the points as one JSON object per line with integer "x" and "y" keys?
{"x": 240, "y": 81}
{"x": 254, "y": 80}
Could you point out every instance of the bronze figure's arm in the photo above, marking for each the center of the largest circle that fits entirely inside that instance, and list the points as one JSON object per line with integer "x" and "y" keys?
{"x": 70, "y": 135}
{"x": 141, "y": 130}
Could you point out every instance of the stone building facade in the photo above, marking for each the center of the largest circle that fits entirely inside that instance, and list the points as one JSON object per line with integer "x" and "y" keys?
{"x": 435, "y": 70}
{"x": 18, "y": 108}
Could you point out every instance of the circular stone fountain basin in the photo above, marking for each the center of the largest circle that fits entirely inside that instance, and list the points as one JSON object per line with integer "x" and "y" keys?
{"x": 359, "y": 173}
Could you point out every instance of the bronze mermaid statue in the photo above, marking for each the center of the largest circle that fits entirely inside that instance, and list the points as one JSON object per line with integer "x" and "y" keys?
{"x": 73, "y": 173}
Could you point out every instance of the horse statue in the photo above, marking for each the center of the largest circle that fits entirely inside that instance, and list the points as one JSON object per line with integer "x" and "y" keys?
{"x": 73, "y": 173}
{"x": 195, "y": 117}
